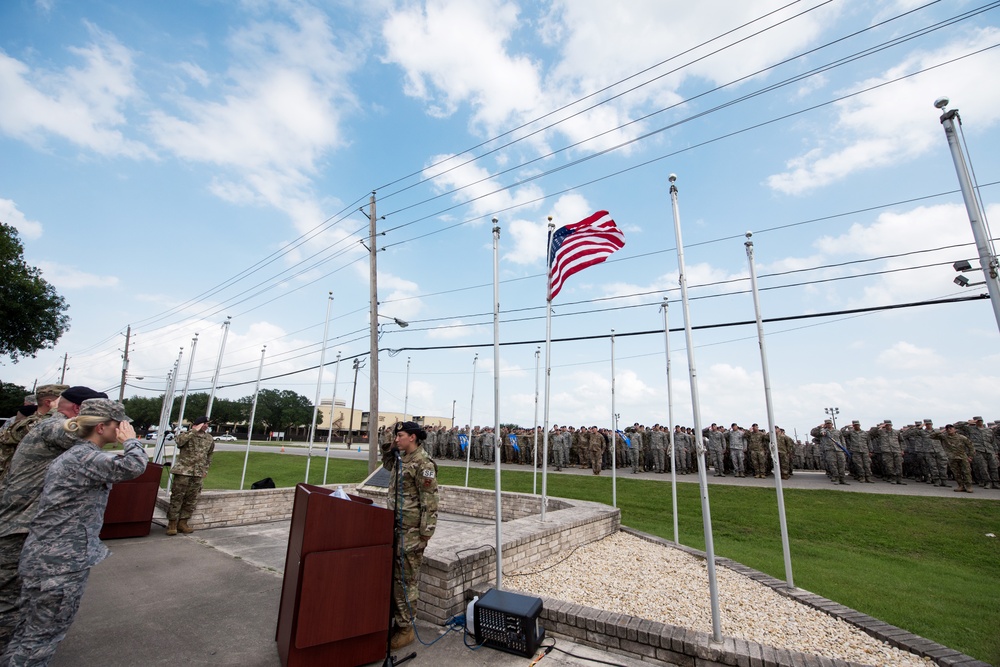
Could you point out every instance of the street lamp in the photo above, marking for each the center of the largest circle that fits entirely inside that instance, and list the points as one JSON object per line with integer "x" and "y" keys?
{"x": 402, "y": 324}
{"x": 833, "y": 412}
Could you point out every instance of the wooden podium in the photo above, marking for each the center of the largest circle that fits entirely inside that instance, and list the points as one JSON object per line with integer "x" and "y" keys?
{"x": 130, "y": 505}
{"x": 334, "y": 608}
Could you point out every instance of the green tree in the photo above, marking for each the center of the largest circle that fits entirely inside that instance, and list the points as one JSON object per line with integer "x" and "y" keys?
{"x": 11, "y": 398}
{"x": 144, "y": 411}
{"x": 278, "y": 410}
{"x": 32, "y": 315}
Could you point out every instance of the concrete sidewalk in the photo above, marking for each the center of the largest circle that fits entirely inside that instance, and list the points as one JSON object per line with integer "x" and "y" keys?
{"x": 211, "y": 598}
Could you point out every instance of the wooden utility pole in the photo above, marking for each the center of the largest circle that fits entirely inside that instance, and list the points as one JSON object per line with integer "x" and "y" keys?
{"x": 62, "y": 378}
{"x": 373, "y": 342}
{"x": 121, "y": 389}
{"x": 354, "y": 395}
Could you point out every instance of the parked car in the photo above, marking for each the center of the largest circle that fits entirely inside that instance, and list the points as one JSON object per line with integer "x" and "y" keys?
{"x": 225, "y": 438}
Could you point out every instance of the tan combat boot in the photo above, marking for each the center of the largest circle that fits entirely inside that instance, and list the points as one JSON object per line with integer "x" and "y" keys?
{"x": 172, "y": 527}
{"x": 403, "y": 637}
{"x": 183, "y": 526}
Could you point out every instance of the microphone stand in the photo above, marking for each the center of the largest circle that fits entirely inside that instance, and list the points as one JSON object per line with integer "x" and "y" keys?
{"x": 390, "y": 660}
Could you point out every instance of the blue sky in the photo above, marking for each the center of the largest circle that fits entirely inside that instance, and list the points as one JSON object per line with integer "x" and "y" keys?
{"x": 169, "y": 165}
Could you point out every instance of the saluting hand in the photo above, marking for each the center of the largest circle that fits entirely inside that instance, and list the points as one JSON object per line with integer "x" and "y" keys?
{"x": 125, "y": 432}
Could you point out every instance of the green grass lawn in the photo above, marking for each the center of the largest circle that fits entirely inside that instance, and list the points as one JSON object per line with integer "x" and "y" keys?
{"x": 923, "y": 564}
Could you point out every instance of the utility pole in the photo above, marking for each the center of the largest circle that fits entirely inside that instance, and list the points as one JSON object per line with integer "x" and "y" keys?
{"x": 987, "y": 258}
{"x": 121, "y": 389}
{"x": 62, "y": 378}
{"x": 354, "y": 395}
{"x": 373, "y": 342}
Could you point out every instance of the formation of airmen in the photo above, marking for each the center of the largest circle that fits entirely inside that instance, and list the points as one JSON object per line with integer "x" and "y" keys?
{"x": 965, "y": 451}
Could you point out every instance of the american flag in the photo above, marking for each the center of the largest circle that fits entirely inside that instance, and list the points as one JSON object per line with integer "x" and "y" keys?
{"x": 582, "y": 244}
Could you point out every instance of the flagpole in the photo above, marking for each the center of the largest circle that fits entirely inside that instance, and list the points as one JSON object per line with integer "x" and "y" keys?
{"x": 472, "y": 400}
{"x": 333, "y": 413}
{"x": 534, "y": 469}
{"x": 670, "y": 417}
{"x": 614, "y": 430}
{"x": 770, "y": 412}
{"x": 170, "y": 409}
{"x": 218, "y": 365}
{"x": 548, "y": 369}
{"x": 406, "y": 394}
{"x": 180, "y": 416}
{"x": 253, "y": 413}
{"x": 319, "y": 384}
{"x": 702, "y": 476}
{"x": 496, "y": 398}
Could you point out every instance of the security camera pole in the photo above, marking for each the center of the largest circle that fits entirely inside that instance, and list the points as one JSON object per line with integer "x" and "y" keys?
{"x": 987, "y": 258}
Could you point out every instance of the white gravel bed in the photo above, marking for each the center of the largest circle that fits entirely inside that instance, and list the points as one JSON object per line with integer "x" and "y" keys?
{"x": 627, "y": 575}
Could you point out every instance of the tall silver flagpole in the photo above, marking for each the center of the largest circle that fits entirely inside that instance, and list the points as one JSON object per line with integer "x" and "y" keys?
{"x": 406, "y": 391}
{"x": 218, "y": 365}
{"x": 319, "y": 384}
{"x": 534, "y": 469}
{"x": 472, "y": 401}
{"x": 333, "y": 413}
{"x": 170, "y": 409}
{"x": 670, "y": 417}
{"x": 165, "y": 409}
{"x": 548, "y": 368}
{"x": 706, "y": 513}
{"x": 614, "y": 429}
{"x": 496, "y": 398}
{"x": 187, "y": 385}
{"x": 180, "y": 417}
{"x": 770, "y": 412}
{"x": 253, "y": 413}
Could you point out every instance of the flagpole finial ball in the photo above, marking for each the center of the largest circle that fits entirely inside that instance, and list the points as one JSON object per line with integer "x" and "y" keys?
{"x": 495, "y": 221}
{"x": 941, "y": 102}
{"x": 672, "y": 177}
{"x": 749, "y": 234}
{"x": 550, "y": 218}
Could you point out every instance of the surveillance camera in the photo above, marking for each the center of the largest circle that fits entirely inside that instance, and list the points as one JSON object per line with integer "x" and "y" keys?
{"x": 672, "y": 177}
{"x": 941, "y": 102}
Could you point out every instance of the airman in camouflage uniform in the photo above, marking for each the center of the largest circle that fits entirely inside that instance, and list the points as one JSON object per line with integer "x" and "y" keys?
{"x": 47, "y": 396}
{"x": 786, "y": 452}
{"x": 635, "y": 448}
{"x": 189, "y": 468}
{"x": 62, "y": 544}
{"x": 19, "y": 492}
{"x": 856, "y": 440}
{"x": 833, "y": 441}
{"x": 595, "y": 446}
{"x": 737, "y": 448}
{"x": 892, "y": 451}
{"x": 716, "y": 437}
{"x": 413, "y": 489}
{"x": 658, "y": 443}
{"x": 758, "y": 442}
{"x": 960, "y": 452}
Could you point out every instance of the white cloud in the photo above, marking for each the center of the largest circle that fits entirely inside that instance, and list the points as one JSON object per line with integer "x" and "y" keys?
{"x": 10, "y": 214}
{"x": 69, "y": 278}
{"x": 896, "y": 123}
{"x": 906, "y": 356}
{"x": 445, "y": 47}
{"x": 280, "y": 112}
{"x": 84, "y": 105}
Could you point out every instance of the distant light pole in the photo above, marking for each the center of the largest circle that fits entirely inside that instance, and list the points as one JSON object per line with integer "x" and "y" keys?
{"x": 354, "y": 395}
{"x": 833, "y": 412}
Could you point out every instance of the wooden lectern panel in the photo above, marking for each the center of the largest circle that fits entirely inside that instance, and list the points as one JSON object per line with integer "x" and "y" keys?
{"x": 345, "y": 594}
